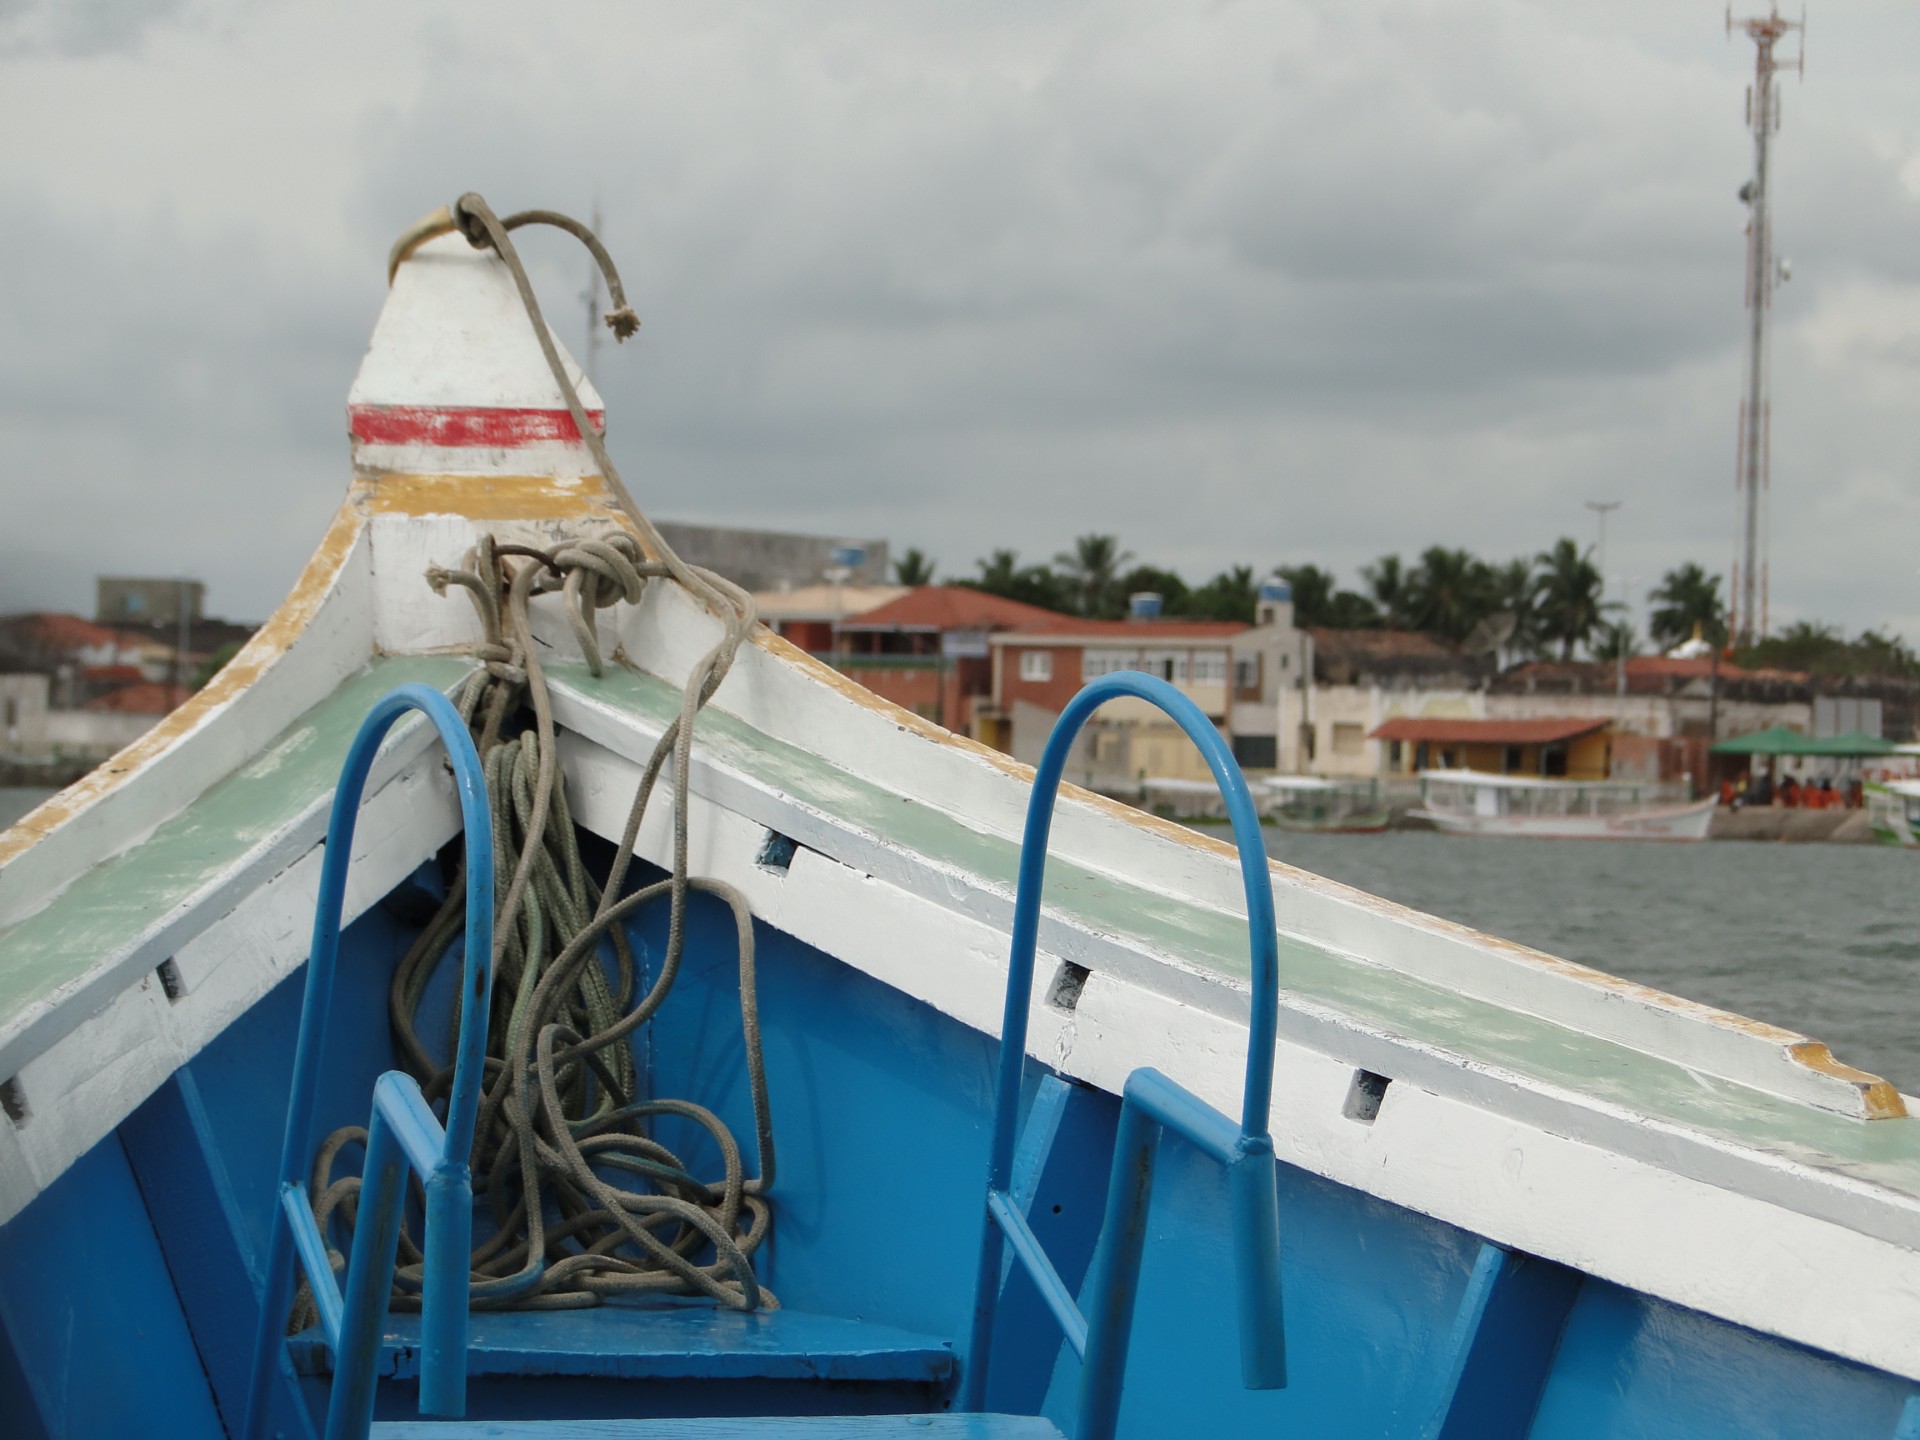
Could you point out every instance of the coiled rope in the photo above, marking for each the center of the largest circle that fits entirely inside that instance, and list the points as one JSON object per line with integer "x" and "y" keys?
{"x": 585, "y": 1203}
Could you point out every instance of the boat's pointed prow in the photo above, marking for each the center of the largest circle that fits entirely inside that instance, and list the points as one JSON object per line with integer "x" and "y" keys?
{"x": 454, "y": 383}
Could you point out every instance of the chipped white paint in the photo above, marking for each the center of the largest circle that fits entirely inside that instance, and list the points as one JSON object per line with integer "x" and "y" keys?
{"x": 453, "y": 338}
{"x": 82, "y": 1082}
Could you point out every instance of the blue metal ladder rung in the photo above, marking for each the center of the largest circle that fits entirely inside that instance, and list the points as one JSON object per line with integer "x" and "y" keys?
{"x": 1151, "y": 1104}
{"x": 663, "y": 1342}
{"x": 809, "y": 1427}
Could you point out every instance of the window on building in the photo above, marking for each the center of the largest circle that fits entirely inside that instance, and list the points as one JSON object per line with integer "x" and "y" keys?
{"x": 1348, "y": 738}
{"x": 13, "y": 712}
{"x": 1036, "y": 665}
{"x": 1246, "y": 674}
{"x": 1169, "y": 665}
{"x": 1255, "y": 752}
{"x": 1095, "y": 663}
{"x": 1395, "y": 754}
{"x": 1210, "y": 667}
{"x": 1509, "y": 759}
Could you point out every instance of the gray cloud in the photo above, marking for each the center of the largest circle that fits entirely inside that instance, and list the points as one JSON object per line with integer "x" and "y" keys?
{"x": 1250, "y": 284}
{"x": 79, "y": 29}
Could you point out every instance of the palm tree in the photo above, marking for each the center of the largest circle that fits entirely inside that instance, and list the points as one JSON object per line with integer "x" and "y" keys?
{"x": 999, "y": 573}
{"x": 1313, "y": 590}
{"x": 1449, "y": 592}
{"x": 1688, "y": 598}
{"x": 1387, "y": 586}
{"x": 913, "y": 568}
{"x": 1513, "y": 592}
{"x": 1090, "y": 570}
{"x": 1230, "y": 595}
{"x": 1351, "y": 610}
{"x": 1616, "y": 641}
{"x": 1567, "y": 596}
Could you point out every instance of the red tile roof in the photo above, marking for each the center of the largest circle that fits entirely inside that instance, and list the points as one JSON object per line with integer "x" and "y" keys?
{"x": 952, "y": 607}
{"x": 147, "y": 698}
{"x": 1141, "y": 632}
{"x": 108, "y": 674}
{"x": 70, "y": 632}
{"x": 1419, "y": 728}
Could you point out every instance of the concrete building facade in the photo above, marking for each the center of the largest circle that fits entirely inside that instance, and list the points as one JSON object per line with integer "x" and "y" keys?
{"x": 777, "y": 559}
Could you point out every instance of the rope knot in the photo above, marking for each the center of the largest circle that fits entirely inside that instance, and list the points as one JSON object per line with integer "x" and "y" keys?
{"x": 623, "y": 322}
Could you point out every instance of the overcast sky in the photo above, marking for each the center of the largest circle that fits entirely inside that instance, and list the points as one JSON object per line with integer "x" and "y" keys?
{"x": 1240, "y": 282}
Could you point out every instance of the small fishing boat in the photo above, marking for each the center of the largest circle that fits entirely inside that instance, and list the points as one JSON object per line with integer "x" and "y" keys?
{"x": 1315, "y": 803}
{"x": 1893, "y": 811}
{"x": 520, "y": 996}
{"x": 1467, "y": 802}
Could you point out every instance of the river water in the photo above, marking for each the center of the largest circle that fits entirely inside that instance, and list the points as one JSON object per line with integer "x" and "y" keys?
{"x": 1818, "y": 938}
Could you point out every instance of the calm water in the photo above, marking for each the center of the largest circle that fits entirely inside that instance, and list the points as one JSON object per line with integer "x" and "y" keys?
{"x": 1819, "y": 938}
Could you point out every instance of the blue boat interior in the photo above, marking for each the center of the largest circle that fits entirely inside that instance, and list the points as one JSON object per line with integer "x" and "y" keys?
{"x": 131, "y": 1291}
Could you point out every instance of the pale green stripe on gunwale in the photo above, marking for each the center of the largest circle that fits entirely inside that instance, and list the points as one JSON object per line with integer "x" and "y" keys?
{"x": 1883, "y": 1152}
{"x": 109, "y": 905}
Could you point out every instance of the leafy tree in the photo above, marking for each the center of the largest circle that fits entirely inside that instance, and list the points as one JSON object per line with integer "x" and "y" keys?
{"x": 1387, "y": 586}
{"x": 1230, "y": 595}
{"x": 1002, "y": 574}
{"x": 1568, "y": 596}
{"x": 1313, "y": 591}
{"x": 1512, "y": 591}
{"x": 1821, "y": 649}
{"x": 1686, "y": 598}
{"x": 1171, "y": 589}
{"x": 1350, "y": 610}
{"x": 1448, "y": 592}
{"x": 1877, "y": 653}
{"x": 1317, "y": 600}
{"x": 913, "y": 568}
{"x": 1616, "y": 640}
{"x": 1091, "y": 571}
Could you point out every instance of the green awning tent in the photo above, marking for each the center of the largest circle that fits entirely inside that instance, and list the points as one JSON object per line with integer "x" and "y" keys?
{"x": 1778, "y": 740}
{"x": 1853, "y": 743}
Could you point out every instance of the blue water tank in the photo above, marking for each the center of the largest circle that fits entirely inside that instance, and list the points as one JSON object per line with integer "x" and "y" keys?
{"x": 1275, "y": 591}
{"x": 1144, "y": 605}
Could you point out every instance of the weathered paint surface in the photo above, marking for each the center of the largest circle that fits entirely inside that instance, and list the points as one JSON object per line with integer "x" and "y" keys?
{"x": 1476, "y": 1032}
{"x": 115, "y": 900}
{"x": 489, "y": 497}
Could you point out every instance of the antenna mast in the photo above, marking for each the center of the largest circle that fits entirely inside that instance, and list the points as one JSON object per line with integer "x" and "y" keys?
{"x": 1752, "y": 470}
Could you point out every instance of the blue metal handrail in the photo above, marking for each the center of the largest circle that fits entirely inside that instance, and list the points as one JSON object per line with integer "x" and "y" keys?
{"x": 403, "y": 1131}
{"x": 1150, "y": 1103}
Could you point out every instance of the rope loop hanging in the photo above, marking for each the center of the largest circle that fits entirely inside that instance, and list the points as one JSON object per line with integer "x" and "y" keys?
{"x": 585, "y": 1202}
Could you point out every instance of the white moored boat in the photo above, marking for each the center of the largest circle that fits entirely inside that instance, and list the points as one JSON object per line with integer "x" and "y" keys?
{"x": 1319, "y": 804}
{"x": 1467, "y": 802}
{"x": 1893, "y": 810}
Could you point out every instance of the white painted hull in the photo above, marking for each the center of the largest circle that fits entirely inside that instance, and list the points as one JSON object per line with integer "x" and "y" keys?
{"x": 1889, "y": 806}
{"x": 1685, "y": 822}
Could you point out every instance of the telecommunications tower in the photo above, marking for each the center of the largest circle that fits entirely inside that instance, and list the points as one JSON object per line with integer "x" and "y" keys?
{"x": 1751, "y": 478}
